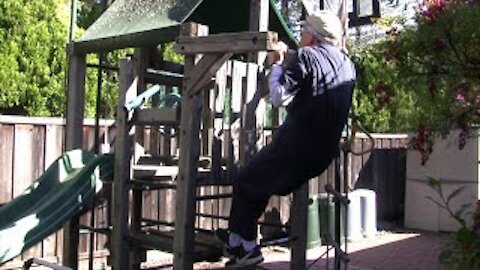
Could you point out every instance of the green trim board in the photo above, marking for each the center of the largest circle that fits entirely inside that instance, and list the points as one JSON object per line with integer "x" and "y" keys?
{"x": 139, "y": 23}
{"x": 65, "y": 189}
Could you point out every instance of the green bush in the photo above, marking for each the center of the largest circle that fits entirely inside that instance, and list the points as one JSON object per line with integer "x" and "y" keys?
{"x": 32, "y": 58}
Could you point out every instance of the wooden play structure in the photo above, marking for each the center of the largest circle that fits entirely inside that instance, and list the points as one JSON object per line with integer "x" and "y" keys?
{"x": 207, "y": 77}
{"x": 202, "y": 119}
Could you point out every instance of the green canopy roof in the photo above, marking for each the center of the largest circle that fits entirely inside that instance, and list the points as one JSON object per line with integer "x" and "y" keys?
{"x": 141, "y": 23}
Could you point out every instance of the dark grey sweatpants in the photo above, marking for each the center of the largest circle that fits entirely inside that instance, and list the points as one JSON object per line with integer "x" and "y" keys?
{"x": 303, "y": 148}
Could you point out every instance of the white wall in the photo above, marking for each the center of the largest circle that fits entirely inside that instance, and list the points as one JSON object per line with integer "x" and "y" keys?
{"x": 454, "y": 168}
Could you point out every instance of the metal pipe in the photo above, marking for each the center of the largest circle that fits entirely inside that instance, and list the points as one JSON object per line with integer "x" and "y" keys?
{"x": 338, "y": 207}
{"x": 73, "y": 21}
{"x": 337, "y": 196}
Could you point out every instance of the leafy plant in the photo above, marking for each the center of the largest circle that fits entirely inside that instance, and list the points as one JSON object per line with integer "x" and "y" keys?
{"x": 423, "y": 76}
{"x": 463, "y": 251}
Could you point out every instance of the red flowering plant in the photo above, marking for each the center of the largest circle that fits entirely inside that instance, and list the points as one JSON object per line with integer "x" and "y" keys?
{"x": 439, "y": 59}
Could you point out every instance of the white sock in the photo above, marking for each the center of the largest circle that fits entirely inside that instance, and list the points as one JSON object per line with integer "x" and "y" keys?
{"x": 234, "y": 240}
{"x": 249, "y": 245}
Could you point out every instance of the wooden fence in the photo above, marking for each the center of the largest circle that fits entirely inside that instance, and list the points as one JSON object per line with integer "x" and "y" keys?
{"x": 29, "y": 145}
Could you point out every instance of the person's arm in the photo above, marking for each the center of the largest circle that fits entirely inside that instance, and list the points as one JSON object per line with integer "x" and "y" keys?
{"x": 285, "y": 82}
{"x": 278, "y": 95}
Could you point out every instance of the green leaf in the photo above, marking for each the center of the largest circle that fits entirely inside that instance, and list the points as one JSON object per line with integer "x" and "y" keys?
{"x": 434, "y": 183}
{"x": 455, "y": 193}
{"x": 437, "y": 203}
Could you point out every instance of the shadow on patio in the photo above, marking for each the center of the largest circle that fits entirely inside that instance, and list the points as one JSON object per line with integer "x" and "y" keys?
{"x": 388, "y": 251}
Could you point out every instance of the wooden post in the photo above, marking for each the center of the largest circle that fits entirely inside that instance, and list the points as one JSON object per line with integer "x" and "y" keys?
{"x": 259, "y": 15}
{"x": 74, "y": 139}
{"x": 141, "y": 64}
{"x": 141, "y": 59}
{"x": 183, "y": 244}
{"x": 298, "y": 217}
{"x": 123, "y": 155}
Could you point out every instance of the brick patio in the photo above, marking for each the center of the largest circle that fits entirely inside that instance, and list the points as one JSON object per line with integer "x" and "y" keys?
{"x": 388, "y": 251}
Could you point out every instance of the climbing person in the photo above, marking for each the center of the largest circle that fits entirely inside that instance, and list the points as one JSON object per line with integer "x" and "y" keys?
{"x": 316, "y": 84}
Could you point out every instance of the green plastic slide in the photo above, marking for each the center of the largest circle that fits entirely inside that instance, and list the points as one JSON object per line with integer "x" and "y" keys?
{"x": 65, "y": 189}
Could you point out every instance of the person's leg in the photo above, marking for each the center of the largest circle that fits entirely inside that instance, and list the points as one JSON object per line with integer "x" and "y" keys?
{"x": 244, "y": 215}
{"x": 252, "y": 189}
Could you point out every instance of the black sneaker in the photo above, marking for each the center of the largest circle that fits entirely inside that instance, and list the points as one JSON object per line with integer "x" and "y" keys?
{"x": 223, "y": 236}
{"x": 244, "y": 258}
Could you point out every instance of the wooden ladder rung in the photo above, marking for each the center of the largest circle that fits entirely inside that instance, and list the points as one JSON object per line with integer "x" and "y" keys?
{"x": 141, "y": 184}
{"x": 213, "y": 197}
{"x": 206, "y": 247}
{"x": 150, "y": 241}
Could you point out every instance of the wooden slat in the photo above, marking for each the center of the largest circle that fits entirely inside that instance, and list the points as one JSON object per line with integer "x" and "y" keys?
{"x": 250, "y": 100}
{"x": 88, "y": 138}
{"x": 239, "y": 70}
{"x": 227, "y": 43}
{"x": 53, "y": 150}
{"x": 167, "y": 137}
{"x": 222, "y": 205}
{"x": 157, "y": 116}
{"x": 36, "y": 154}
{"x": 6, "y": 159}
{"x": 22, "y": 162}
{"x": 206, "y": 143}
{"x": 154, "y": 138}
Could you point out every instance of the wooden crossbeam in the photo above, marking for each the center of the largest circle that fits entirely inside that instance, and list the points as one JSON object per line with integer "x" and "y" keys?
{"x": 204, "y": 70}
{"x": 156, "y": 116}
{"x": 227, "y": 43}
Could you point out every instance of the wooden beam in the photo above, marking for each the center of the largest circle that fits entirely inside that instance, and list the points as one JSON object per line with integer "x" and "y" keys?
{"x": 189, "y": 153}
{"x": 204, "y": 70}
{"x": 227, "y": 43}
{"x": 298, "y": 216}
{"x": 123, "y": 155}
{"x": 74, "y": 139}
